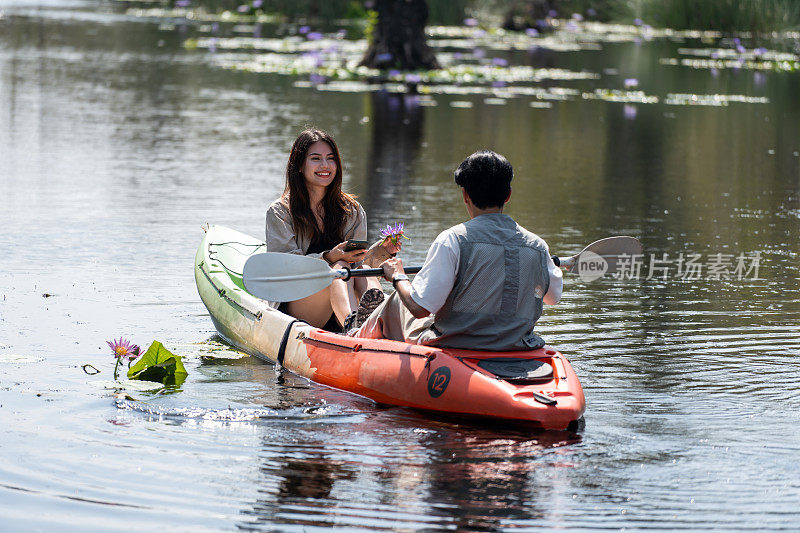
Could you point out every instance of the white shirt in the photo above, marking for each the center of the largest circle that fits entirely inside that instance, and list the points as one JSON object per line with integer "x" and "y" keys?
{"x": 436, "y": 279}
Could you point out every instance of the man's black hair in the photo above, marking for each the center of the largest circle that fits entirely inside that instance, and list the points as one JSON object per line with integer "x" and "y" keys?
{"x": 486, "y": 176}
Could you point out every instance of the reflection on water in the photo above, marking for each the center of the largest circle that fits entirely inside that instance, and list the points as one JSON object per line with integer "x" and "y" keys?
{"x": 398, "y": 123}
{"x": 117, "y": 144}
{"x": 353, "y": 479}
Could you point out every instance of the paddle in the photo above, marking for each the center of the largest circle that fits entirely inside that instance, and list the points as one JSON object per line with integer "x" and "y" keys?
{"x": 611, "y": 249}
{"x": 279, "y": 277}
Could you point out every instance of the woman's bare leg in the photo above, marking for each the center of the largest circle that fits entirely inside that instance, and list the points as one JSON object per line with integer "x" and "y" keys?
{"x": 314, "y": 309}
{"x": 341, "y": 299}
{"x": 342, "y": 296}
{"x": 362, "y": 284}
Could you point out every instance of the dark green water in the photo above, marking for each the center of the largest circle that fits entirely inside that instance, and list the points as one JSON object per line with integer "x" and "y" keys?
{"x": 117, "y": 144}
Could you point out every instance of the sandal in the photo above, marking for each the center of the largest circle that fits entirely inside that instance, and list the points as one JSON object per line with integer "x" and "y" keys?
{"x": 349, "y": 322}
{"x": 370, "y": 301}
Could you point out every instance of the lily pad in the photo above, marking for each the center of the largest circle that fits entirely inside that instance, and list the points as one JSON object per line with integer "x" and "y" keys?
{"x": 159, "y": 364}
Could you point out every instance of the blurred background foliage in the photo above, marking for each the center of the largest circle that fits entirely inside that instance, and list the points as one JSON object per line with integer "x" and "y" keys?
{"x": 723, "y": 15}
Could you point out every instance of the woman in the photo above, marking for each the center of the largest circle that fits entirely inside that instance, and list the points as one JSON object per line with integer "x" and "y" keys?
{"x": 315, "y": 217}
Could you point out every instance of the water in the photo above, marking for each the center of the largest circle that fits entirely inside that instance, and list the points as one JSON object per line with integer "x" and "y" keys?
{"x": 117, "y": 144}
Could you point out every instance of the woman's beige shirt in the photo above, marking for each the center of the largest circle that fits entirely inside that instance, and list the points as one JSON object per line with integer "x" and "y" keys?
{"x": 282, "y": 238}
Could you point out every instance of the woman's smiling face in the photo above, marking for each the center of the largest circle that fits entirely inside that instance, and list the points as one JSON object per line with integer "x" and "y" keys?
{"x": 319, "y": 168}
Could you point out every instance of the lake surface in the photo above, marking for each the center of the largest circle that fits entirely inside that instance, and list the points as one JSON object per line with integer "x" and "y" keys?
{"x": 117, "y": 142}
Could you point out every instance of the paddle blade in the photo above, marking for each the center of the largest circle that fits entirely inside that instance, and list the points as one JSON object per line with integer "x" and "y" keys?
{"x": 285, "y": 277}
{"x": 615, "y": 251}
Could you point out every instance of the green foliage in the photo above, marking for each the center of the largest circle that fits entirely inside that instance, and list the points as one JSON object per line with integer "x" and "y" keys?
{"x": 372, "y": 22}
{"x": 448, "y": 12}
{"x": 160, "y": 365}
{"x": 355, "y": 10}
{"x": 723, "y": 15}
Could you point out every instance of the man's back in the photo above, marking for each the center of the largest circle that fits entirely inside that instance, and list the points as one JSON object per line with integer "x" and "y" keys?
{"x": 484, "y": 280}
{"x": 496, "y": 297}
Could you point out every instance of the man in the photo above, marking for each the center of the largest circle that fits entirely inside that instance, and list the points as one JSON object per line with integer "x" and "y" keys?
{"x": 484, "y": 281}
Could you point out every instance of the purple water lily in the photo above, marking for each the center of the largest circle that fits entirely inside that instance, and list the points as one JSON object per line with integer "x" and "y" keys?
{"x": 123, "y": 350}
{"x": 499, "y": 62}
{"x": 314, "y": 36}
{"x": 470, "y": 22}
{"x": 392, "y": 234}
{"x": 630, "y": 83}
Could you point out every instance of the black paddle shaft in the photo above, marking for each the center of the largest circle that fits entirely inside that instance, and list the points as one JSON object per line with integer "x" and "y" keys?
{"x": 366, "y": 272}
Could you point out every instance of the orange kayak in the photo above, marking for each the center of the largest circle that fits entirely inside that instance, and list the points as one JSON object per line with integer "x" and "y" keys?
{"x": 538, "y": 387}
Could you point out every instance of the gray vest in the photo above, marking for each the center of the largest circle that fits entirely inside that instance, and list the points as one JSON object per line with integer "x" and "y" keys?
{"x": 497, "y": 297}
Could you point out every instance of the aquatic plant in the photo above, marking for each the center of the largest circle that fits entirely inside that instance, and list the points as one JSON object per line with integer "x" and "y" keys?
{"x": 123, "y": 350}
{"x": 160, "y": 365}
{"x": 391, "y": 234}
{"x": 481, "y": 62}
{"x": 156, "y": 364}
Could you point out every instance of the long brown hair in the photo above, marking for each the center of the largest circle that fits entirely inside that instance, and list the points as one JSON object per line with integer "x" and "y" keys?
{"x": 336, "y": 205}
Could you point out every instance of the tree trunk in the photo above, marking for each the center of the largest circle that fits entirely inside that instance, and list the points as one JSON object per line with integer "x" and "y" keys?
{"x": 398, "y": 39}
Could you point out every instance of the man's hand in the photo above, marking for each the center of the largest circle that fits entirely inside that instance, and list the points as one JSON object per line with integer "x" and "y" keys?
{"x": 392, "y": 267}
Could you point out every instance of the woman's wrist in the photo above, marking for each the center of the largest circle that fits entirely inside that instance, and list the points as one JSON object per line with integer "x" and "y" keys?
{"x": 327, "y": 255}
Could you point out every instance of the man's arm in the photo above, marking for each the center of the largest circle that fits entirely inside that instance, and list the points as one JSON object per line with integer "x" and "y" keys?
{"x": 556, "y": 284}
{"x": 391, "y": 268}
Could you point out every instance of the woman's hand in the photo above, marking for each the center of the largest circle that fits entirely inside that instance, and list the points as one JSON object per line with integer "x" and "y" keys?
{"x": 390, "y": 247}
{"x": 337, "y": 253}
{"x": 380, "y": 251}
